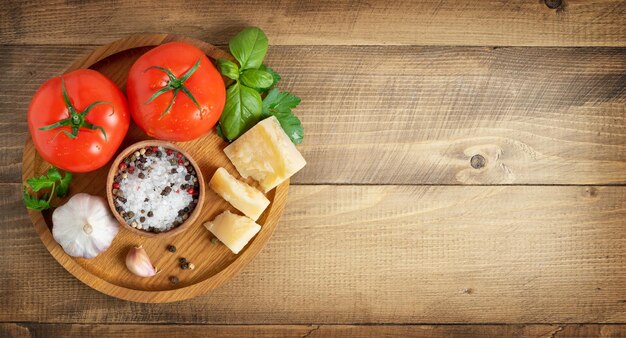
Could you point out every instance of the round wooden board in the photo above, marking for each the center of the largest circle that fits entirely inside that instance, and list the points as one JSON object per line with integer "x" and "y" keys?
{"x": 107, "y": 273}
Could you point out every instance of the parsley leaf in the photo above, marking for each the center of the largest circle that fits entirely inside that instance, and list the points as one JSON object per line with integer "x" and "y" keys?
{"x": 277, "y": 101}
{"x": 279, "y": 104}
{"x": 64, "y": 185}
{"x": 53, "y": 181}
{"x": 292, "y": 126}
{"x": 34, "y": 203}
{"x": 41, "y": 182}
{"x": 54, "y": 174}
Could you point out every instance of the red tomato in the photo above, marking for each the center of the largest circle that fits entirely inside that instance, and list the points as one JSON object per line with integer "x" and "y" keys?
{"x": 175, "y": 93}
{"x": 72, "y": 136}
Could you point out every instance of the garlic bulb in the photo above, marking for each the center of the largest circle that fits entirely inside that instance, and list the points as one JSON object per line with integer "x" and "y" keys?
{"x": 84, "y": 226}
{"x": 138, "y": 262}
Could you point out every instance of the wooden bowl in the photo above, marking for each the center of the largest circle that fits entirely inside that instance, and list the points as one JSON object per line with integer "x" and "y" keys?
{"x": 114, "y": 169}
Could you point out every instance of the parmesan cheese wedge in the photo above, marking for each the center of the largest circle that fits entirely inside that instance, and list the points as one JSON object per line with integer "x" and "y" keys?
{"x": 266, "y": 154}
{"x": 233, "y": 230}
{"x": 240, "y": 195}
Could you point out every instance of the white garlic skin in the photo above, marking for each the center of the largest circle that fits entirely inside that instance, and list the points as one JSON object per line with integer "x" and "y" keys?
{"x": 84, "y": 226}
{"x": 138, "y": 262}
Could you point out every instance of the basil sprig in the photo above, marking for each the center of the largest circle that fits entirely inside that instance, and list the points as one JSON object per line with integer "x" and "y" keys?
{"x": 244, "y": 106}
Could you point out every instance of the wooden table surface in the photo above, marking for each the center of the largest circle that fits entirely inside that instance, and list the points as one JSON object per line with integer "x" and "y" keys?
{"x": 392, "y": 229}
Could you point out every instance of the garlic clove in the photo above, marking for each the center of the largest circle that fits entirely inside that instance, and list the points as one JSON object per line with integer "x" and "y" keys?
{"x": 138, "y": 262}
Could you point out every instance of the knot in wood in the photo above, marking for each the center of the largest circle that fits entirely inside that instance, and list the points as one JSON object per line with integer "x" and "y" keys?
{"x": 553, "y": 4}
{"x": 477, "y": 161}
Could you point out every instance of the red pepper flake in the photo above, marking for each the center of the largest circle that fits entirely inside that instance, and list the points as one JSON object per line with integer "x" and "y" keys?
{"x": 178, "y": 191}
{"x": 131, "y": 168}
{"x": 169, "y": 152}
{"x": 122, "y": 166}
{"x": 179, "y": 155}
{"x": 190, "y": 191}
{"x": 180, "y": 162}
{"x": 155, "y": 149}
{"x": 116, "y": 185}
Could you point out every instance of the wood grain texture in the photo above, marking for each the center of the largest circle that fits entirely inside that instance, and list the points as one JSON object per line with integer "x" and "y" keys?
{"x": 26, "y": 330}
{"x": 376, "y": 254}
{"x": 417, "y": 115}
{"x": 432, "y": 22}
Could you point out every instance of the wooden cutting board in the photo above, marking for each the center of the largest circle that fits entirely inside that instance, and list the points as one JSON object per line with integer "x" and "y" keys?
{"x": 214, "y": 263}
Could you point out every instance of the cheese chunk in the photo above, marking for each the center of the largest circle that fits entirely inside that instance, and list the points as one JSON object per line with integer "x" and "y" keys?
{"x": 233, "y": 230}
{"x": 266, "y": 154}
{"x": 245, "y": 198}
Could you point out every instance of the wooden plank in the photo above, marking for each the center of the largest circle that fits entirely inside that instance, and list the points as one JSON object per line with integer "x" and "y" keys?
{"x": 376, "y": 254}
{"x": 433, "y": 22}
{"x": 414, "y": 115}
{"x": 311, "y": 331}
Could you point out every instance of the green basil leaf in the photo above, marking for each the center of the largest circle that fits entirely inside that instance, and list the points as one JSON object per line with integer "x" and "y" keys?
{"x": 257, "y": 79}
{"x": 291, "y": 125}
{"x": 64, "y": 185}
{"x": 228, "y": 68}
{"x": 275, "y": 75}
{"x": 34, "y": 203}
{"x": 241, "y": 111}
{"x": 41, "y": 182}
{"x": 249, "y": 47}
{"x": 218, "y": 130}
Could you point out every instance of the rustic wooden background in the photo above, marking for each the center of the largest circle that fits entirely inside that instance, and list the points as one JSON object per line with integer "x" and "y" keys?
{"x": 389, "y": 230}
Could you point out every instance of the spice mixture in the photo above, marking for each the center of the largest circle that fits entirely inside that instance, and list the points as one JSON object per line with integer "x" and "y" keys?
{"x": 155, "y": 189}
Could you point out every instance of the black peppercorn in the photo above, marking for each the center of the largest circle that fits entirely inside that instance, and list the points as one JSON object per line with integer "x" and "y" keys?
{"x": 142, "y": 219}
{"x": 150, "y": 214}
{"x": 184, "y": 266}
{"x": 142, "y": 175}
{"x": 182, "y": 260}
{"x": 171, "y": 248}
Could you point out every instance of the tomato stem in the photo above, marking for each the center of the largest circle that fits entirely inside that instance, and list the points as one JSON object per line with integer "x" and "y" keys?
{"x": 175, "y": 84}
{"x": 76, "y": 120}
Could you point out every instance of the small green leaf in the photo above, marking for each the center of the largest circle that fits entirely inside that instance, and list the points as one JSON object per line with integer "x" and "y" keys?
{"x": 35, "y": 203}
{"x": 292, "y": 126}
{"x": 38, "y": 183}
{"x": 279, "y": 104}
{"x": 277, "y": 101}
{"x": 249, "y": 47}
{"x": 64, "y": 185}
{"x": 54, "y": 174}
{"x": 228, "y": 68}
{"x": 257, "y": 79}
{"x": 275, "y": 75}
{"x": 241, "y": 111}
